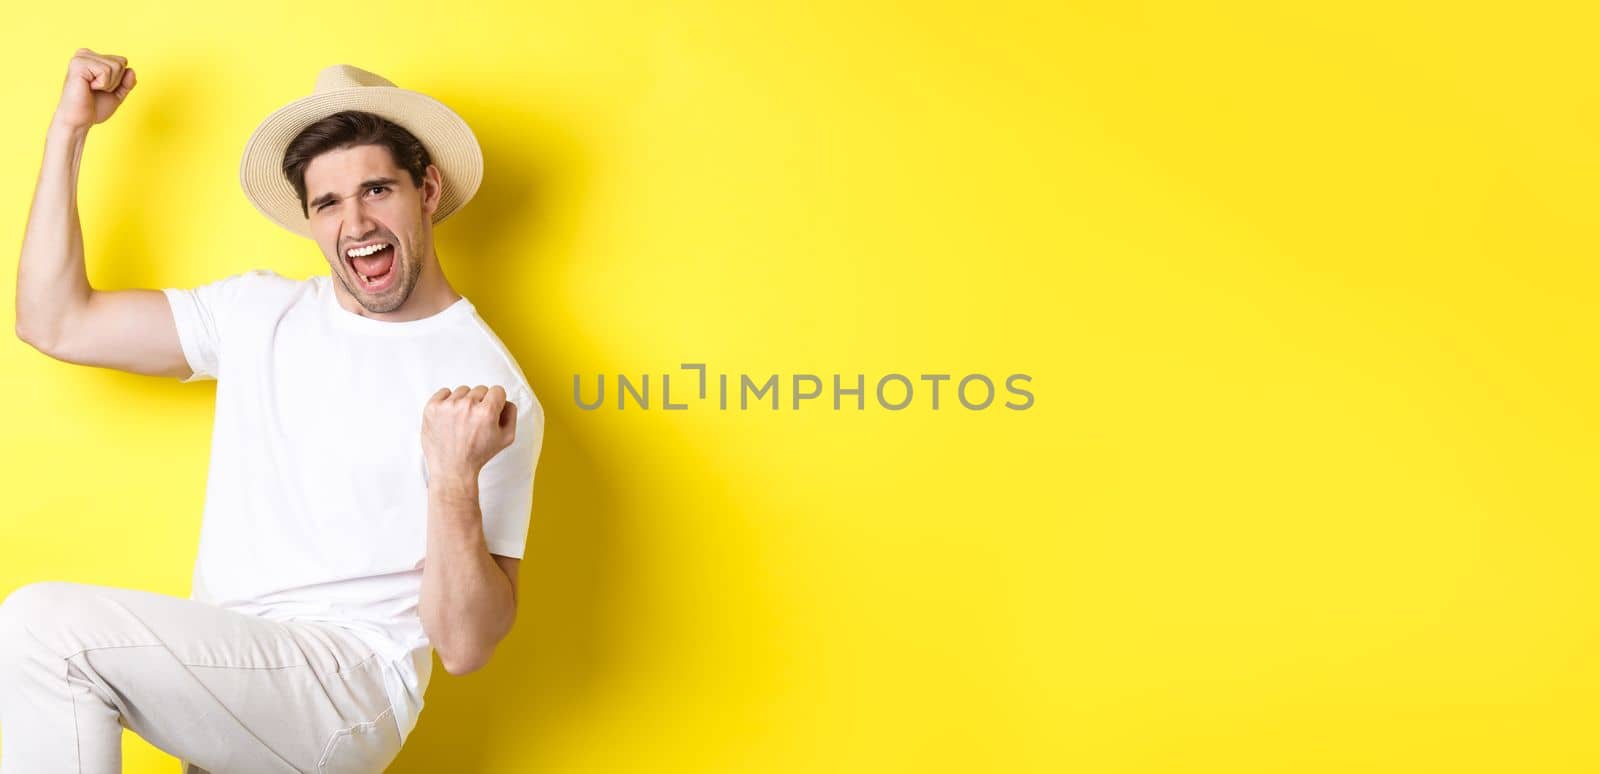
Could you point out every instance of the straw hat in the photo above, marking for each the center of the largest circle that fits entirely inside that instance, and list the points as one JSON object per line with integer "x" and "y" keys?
{"x": 449, "y": 141}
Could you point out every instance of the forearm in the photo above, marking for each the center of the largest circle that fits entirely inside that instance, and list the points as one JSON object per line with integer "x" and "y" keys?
{"x": 52, "y": 280}
{"x": 467, "y": 602}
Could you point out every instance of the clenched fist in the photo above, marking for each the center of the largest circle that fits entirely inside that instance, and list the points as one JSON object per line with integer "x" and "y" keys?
{"x": 96, "y": 86}
{"x": 463, "y": 429}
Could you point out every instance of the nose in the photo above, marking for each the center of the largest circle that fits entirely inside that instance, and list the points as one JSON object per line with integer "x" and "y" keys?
{"x": 358, "y": 223}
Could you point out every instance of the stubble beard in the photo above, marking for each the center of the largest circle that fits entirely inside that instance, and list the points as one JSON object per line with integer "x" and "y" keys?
{"x": 399, "y": 293}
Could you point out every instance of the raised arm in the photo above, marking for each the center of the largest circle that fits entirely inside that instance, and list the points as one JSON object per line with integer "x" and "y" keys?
{"x": 58, "y": 313}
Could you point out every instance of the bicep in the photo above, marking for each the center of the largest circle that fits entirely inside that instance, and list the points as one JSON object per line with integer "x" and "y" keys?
{"x": 128, "y": 330}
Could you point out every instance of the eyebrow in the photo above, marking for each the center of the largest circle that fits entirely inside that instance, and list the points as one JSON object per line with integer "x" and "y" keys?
{"x": 365, "y": 184}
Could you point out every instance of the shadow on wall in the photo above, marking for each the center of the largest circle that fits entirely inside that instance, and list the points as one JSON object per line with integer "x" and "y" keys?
{"x": 554, "y": 655}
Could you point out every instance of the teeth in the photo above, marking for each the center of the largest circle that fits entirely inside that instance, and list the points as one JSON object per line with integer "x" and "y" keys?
{"x": 364, "y": 251}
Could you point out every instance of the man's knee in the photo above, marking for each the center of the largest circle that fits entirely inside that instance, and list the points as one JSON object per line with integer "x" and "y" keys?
{"x": 35, "y": 606}
{"x": 21, "y": 614}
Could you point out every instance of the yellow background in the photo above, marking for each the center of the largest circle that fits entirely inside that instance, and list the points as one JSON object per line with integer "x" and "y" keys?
{"x": 1306, "y": 295}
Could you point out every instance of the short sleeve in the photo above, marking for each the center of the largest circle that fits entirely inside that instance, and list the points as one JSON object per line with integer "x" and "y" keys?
{"x": 505, "y": 485}
{"x": 201, "y": 314}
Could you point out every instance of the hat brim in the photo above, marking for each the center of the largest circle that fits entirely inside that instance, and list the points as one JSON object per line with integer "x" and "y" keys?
{"x": 450, "y": 143}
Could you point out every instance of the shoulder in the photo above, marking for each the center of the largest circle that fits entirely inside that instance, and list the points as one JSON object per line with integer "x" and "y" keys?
{"x": 264, "y": 292}
{"x": 269, "y": 281}
{"x": 496, "y": 349}
{"x": 226, "y": 296}
{"x": 253, "y": 282}
{"x": 512, "y": 377}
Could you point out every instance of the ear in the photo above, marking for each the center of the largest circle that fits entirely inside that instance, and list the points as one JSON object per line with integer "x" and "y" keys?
{"x": 432, "y": 190}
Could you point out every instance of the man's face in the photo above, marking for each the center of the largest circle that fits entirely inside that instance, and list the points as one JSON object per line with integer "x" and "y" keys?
{"x": 359, "y": 198}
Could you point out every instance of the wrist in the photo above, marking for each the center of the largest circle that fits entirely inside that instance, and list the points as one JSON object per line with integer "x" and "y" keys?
{"x": 457, "y": 484}
{"x": 65, "y": 131}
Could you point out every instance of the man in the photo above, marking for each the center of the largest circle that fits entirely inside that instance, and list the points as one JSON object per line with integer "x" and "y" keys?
{"x": 359, "y": 515}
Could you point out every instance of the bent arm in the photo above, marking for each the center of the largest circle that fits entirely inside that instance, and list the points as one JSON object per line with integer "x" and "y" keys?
{"x": 58, "y": 312}
{"x": 52, "y": 282}
{"x": 469, "y": 596}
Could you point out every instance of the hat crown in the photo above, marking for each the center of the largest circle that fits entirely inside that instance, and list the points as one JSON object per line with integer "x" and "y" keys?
{"x": 343, "y": 76}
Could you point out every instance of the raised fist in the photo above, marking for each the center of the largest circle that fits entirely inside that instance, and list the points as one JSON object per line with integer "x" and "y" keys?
{"x": 96, "y": 86}
{"x": 463, "y": 429}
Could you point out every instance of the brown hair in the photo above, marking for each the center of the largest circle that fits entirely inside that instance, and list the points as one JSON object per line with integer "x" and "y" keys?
{"x": 348, "y": 129}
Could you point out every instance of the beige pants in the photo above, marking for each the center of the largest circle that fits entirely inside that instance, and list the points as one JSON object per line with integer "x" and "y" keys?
{"x": 224, "y": 692}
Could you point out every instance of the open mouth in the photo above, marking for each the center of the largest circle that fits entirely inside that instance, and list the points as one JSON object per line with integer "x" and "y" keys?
{"x": 374, "y": 269}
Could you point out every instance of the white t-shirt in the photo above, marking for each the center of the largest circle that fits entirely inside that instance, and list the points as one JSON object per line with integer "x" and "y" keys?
{"x": 316, "y": 498}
